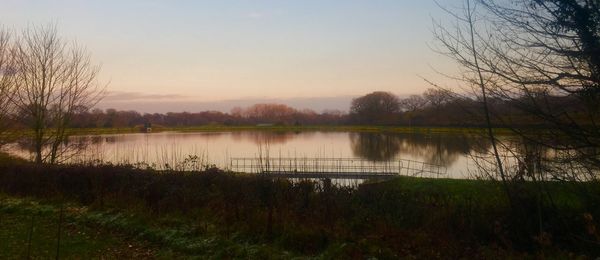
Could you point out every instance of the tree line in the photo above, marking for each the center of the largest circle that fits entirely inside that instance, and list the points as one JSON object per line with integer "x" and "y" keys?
{"x": 442, "y": 107}
{"x": 272, "y": 114}
{"x": 435, "y": 107}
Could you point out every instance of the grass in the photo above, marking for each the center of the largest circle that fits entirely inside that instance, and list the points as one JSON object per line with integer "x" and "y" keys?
{"x": 23, "y": 220}
{"x": 110, "y": 234}
{"x": 488, "y": 193}
{"x": 213, "y": 213}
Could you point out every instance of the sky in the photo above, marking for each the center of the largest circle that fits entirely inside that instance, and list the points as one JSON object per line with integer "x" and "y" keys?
{"x": 168, "y": 55}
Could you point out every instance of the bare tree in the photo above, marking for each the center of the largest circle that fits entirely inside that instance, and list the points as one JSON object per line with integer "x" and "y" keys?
{"x": 413, "y": 103}
{"x": 437, "y": 96}
{"x": 6, "y": 80}
{"x": 540, "y": 59}
{"x": 55, "y": 80}
{"x": 543, "y": 59}
{"x": 410, "y": 105}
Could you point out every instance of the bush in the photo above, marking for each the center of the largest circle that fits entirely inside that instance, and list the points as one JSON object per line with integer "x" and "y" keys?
{"x": 406, "y": 216}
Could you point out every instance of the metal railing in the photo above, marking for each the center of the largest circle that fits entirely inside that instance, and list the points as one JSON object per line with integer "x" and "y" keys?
{"x": 336, "y": 166}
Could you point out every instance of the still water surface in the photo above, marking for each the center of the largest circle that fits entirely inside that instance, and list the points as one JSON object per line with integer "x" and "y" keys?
{"x": 451, "y": 151}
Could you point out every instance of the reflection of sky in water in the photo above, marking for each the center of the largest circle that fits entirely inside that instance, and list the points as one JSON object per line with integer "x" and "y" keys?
{"x": 451, "y": 151}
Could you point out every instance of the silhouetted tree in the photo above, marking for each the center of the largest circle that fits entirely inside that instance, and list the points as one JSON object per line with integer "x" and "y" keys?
{"x": 55, "y": 80}
{"x": 437, "y": 96}
{"x": 375, "y": 108}
{"x": 541, "y": 58}
{"x": 413, "y": 103}
{"x": 6, "y": 79}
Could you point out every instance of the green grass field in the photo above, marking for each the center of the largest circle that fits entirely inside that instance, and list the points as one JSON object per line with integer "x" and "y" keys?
{"x": 29, "y": 229}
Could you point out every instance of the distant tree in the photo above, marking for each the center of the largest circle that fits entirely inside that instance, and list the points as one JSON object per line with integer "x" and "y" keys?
{"x": 6, "y": 80}
{"x": 237, "y": 112}
{"x": 109, "y": 118}
{"x": 437, "y": 97}
{"x": 259, "y": 113}
{"x": 375, "y": 108}
{"x": 413, "y": 103}
{"x": 55, "y": 80}
{"x": 333, "y": 117}
{"x": 97, "y": 117}
{"x": 270, "y": 113}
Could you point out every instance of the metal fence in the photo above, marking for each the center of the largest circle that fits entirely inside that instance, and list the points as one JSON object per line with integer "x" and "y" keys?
{"x": 297, "y": 167}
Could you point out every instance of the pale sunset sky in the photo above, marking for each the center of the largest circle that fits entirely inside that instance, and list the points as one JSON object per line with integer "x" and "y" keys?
{"x": 160, "y": 55}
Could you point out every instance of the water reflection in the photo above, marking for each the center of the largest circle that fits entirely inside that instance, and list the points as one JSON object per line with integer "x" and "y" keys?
{"x": 375, "y": 146}
{"x": 65, "y": 150}
{"x": 266, "y": 137}
{"x": 435, "y": 149}
{"x": 451, "y": 151}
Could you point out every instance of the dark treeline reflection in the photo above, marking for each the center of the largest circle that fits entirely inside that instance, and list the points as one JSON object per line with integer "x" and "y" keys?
{"x": 77, "y": 142}
{"x": 437, "y": 148}
{"x": 71, "y": 143}
{"x": 66, "y": 149}
{"x": 268, "y": 137}
{"x": 440, "y": 149}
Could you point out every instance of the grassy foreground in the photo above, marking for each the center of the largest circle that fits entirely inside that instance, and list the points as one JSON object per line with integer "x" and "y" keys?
{"x": 216, "y": 214}
{"x": 29, "y": 229}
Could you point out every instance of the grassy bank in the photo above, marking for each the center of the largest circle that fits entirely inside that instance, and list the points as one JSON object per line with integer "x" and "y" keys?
{"x": 190, "y": 213}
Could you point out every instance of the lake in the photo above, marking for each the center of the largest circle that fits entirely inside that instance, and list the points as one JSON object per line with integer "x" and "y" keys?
{"x": 453, "y": 152}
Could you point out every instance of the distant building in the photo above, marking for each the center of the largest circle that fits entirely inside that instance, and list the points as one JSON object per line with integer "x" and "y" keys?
{"x": 147, "y": 127}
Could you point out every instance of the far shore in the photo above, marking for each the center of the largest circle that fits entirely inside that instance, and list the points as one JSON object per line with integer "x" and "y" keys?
{"x": 291, "y": 128}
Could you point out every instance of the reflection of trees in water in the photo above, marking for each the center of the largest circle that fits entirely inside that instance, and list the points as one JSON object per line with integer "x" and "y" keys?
{"x": 441, "y": 149}
{"x": 204, "y": 135}
{"x": 68, "y": 148}
{"x": 26, "y": 144}
{"x": 375, "y": 146}
{"x": 266, "y": 137}
{"x": 96, "y": 139}
{"x": 532, "y": 158}
{"x": 526, "y": 159}
{"x": 436, "y": 149}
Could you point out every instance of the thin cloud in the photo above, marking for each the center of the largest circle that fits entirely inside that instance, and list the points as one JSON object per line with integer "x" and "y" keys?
{"x": 181, "y": 104}
{"x": 117, "y": 96}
